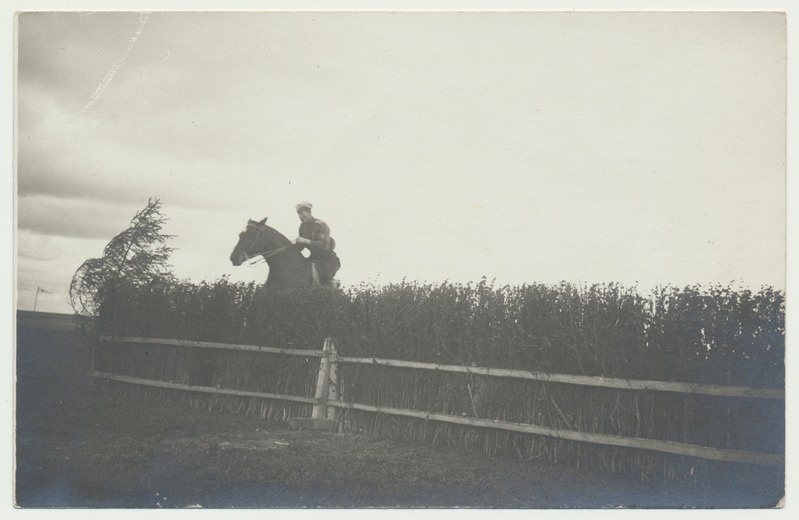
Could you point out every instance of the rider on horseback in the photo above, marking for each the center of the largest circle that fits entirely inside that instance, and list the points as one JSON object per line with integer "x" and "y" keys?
{"x": 315, "y": 235}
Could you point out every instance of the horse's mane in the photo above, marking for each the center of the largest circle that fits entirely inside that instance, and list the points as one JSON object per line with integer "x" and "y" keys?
{"x": 275, "y": 234}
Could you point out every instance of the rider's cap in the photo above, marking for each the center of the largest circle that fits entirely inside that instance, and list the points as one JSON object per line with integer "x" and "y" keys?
{"x": 304, "y": 205}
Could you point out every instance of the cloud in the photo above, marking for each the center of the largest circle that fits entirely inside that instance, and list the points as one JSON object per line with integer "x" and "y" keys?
{"x": 109, "y": 76}
{"x": 50, "y": 261}
{"x": 74, "y": 218}
{"x": 67, "y": 156}
{"x": 32, "y": 246}
{"x": 70, "y": 51}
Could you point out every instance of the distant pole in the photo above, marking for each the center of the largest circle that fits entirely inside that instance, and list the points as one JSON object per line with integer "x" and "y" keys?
{"x": 36, "y": 298}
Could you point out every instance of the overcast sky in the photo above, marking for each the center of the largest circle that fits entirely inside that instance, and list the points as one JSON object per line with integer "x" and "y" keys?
{"x": 642, "y": 148}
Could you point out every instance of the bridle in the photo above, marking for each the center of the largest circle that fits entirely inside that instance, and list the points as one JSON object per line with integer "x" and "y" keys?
{"x": 265, "y": 254}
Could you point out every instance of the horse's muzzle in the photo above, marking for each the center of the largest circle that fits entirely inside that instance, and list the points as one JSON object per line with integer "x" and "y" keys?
{"x": 237, "y": 259}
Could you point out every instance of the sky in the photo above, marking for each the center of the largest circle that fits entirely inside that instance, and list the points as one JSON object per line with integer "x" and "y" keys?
{"x": 644, "y": 148}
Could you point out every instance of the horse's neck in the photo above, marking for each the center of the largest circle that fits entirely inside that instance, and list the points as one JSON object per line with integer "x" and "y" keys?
{"x": 274, "y": 240}
{"x": 287, "y": 268}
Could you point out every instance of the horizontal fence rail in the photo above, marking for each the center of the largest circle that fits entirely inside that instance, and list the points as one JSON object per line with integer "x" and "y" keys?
{"x": 606, "y": 382}
{"x": 210, "y": 344}
{"x": 327, "y": 378}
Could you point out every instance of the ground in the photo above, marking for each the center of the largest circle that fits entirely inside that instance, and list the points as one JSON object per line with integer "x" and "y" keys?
{"x": 78, "y": 447}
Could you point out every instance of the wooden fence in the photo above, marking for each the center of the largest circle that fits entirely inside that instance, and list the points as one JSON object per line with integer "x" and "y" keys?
{"x": 326, "y": 400}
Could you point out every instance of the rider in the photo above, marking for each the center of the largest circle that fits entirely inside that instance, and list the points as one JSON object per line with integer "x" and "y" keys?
{"x": 315, "y": 235}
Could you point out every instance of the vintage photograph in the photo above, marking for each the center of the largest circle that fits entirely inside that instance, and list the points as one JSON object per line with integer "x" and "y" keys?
{"x": 500, "y": 259}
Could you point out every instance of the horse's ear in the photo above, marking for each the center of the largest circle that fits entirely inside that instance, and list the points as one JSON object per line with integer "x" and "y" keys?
{"x": 263, "y": 221}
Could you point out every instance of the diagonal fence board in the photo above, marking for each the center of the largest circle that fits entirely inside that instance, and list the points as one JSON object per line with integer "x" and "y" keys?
{"x": 676, "y": 448}
{"x": 205, "y": 389}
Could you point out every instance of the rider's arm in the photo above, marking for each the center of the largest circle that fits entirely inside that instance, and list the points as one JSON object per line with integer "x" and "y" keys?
{"x": 321, "y": 241}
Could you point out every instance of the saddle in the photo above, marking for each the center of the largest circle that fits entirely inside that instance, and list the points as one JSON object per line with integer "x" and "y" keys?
{"x": 316, "y": 277}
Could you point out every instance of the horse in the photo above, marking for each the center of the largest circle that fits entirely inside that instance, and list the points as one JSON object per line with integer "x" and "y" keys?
{"x": 288, "y": 268}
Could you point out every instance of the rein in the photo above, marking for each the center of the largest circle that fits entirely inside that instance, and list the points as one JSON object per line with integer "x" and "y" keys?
{"x": 266, "y": 254}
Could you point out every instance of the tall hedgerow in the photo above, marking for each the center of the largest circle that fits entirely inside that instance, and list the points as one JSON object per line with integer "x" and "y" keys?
{"x": 714, "y": 335}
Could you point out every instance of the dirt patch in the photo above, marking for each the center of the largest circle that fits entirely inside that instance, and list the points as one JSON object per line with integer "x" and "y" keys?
{"x": 160, "y": 454}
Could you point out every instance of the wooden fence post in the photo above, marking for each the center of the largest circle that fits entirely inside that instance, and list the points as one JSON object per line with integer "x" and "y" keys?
{"x": 323, "y": 382}
{"x": 332, "y": 378}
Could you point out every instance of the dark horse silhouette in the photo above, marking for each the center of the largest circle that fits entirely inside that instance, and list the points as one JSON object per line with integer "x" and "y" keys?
{"x": 288, "y": 268}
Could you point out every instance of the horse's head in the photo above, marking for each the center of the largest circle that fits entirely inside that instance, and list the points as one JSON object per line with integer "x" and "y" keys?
{"x": 287, "y": 266}
{"x": 251, "y": 242}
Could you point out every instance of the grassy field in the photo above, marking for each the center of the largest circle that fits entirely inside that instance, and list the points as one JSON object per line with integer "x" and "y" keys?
{"x": 78, "y": 447}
